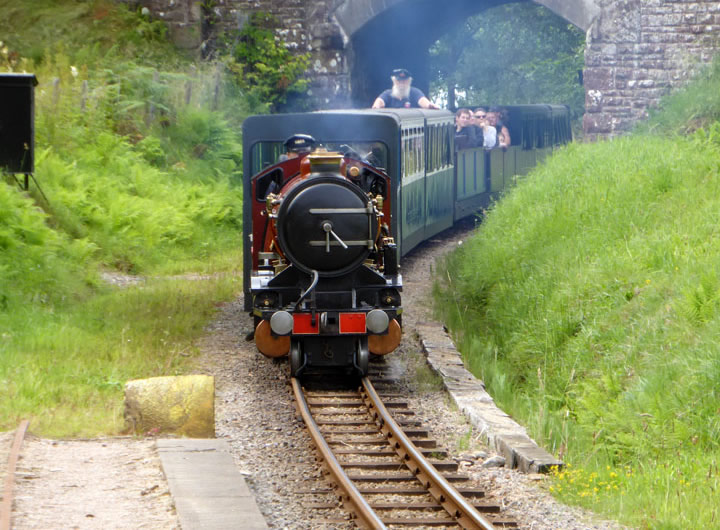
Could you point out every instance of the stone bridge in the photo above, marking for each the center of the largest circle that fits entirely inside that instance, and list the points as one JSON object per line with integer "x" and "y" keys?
{"x": 636, "y": 49}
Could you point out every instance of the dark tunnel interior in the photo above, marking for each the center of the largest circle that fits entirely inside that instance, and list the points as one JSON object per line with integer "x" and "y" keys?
{"x": 400, "y": 37}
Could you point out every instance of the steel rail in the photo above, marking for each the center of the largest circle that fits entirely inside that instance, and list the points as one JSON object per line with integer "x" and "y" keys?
{"x": 6, "y": 507}
{"x": 443, "y": 492}
{"x": 366, "y": 515}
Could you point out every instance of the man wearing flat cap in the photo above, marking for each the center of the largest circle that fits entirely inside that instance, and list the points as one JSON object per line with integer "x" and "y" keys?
{"x": 402, "y": 95}
{"x": 296, "y": 145}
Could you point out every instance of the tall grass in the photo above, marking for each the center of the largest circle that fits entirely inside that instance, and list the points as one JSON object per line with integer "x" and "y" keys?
{"x": 65, "y": 370}
{"x": 589, "y": 303}
{"x": 37, "y": 264}
{"x": 131, "y": 156}
{"x": 137, "y": 159}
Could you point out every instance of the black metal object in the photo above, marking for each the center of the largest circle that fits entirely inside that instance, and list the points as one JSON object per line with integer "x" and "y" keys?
{"x": 17, "y": 124}
{"x": 326, "y": 224}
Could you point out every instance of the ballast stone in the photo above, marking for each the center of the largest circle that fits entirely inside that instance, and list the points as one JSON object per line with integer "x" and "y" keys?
{"x": 182, "y": 405}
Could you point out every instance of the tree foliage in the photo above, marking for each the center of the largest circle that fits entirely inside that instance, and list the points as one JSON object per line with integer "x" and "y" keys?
{"x": 263, "y": 65}
{"x": 513, "y": 54}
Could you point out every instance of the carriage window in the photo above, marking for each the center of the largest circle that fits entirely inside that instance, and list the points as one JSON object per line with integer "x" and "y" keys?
{"x": 433, "y": 159}
{"x": 419, "y": 145}
{"x": 447, "y": 144}
{"x": 528, "y": 133}
{"x": 413, "y": 152}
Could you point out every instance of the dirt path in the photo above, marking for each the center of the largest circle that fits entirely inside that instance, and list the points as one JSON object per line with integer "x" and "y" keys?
{"x": 102, "y": 483}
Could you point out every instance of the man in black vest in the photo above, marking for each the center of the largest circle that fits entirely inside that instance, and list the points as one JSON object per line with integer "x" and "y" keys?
{"x": 402, "y": 95}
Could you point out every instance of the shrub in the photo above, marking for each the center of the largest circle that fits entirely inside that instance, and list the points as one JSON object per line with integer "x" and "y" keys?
{"x": 263, "y": 65}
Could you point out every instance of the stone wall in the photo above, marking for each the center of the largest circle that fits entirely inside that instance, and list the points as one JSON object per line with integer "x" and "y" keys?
{"x": 636, "y": 51}
{"x": 183, "y": 18}
{"x": 303, "y": 26}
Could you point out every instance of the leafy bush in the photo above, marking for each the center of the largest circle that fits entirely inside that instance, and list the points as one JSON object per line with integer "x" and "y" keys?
{"x": 538, "y": 64}
{"x": 263, "y": 65}
{"x": 37, "y": 264}
{"x": 134, "y": 151}
{"x": 136, "y": 154}
{"x": 136, "y": 214}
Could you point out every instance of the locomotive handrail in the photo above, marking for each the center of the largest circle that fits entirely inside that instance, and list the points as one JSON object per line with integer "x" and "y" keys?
{"x": 361, "y": 508}
{"x": 315, "y": 211}
{"x": 307, "y": 291}
{"x": 350, "y": 243}
{"x": 455, "y": 504}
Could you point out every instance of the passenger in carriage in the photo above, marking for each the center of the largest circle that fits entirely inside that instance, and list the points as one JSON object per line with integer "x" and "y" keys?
{"x": 402, "y": 95}
{"x": 465, "y": 133}
{"x": 494, "y": 118}
{"x": 485, "y": 133}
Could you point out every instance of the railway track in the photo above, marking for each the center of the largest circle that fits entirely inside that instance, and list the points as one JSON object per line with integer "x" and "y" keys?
{"x": 386, "y": 469}
{"x": 7, "y": 498}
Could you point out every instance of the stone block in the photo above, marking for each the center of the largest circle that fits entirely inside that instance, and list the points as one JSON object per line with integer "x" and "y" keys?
{"x": 185, "y": 36}
{"x": 183, "y": 405}
{"x": 523, "y": 453}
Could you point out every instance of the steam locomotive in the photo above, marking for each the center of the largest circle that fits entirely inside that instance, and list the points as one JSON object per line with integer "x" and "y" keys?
{"x": 334, "y": 199}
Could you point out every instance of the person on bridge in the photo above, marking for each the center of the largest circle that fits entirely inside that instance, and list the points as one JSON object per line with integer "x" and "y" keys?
{"x": 402, "y": 95}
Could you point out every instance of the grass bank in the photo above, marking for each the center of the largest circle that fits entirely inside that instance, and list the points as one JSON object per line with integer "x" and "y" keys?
{"x": 589, "y": 303}
{"x": 137, "y": 161}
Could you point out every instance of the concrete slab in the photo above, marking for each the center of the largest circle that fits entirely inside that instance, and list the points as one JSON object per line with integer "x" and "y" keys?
{"x": 208, "y": 490}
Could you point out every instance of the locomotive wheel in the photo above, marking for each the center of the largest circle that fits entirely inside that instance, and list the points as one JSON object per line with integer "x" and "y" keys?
{"x": 362, "y": 357}
{"x": 297, "y": 359}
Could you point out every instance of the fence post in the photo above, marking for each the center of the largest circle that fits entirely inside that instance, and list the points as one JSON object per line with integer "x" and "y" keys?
{"x": 83, "y": 98}
{"x": 56, "y": 91}
{"x": 218, "y": 80}
{"x": 189, "y": 85}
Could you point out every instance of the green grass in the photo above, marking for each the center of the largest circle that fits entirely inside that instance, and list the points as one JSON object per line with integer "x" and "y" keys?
{"x": 684, "y": 111}
{"x": 137, "y": 156}
{"x": 65, "y": 370}
{"x": 589, "y": 303}
{"x": 90, "y": 28}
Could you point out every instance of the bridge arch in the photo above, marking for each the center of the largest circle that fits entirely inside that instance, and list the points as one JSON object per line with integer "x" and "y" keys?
{"x": 387, "y": 34}
{"x": 354, "y": 14}
{"x": 636, "y": 49}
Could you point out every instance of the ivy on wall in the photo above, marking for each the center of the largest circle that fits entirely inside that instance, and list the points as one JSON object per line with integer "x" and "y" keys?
{"x": 263, "y": 66}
